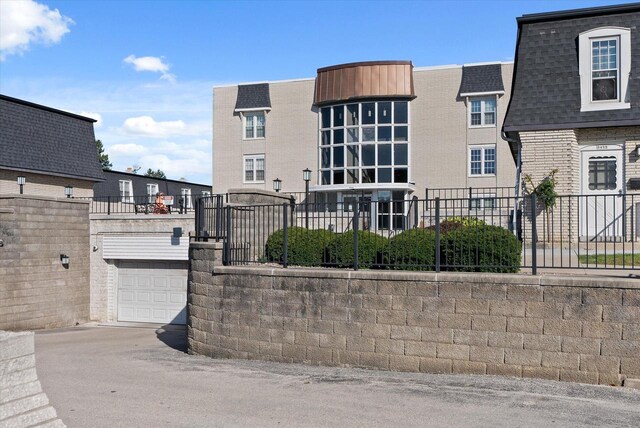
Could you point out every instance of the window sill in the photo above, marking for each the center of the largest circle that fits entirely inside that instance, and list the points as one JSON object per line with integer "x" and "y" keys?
{"x": 481, "y": 126}
{"x": 254, "y": 139}
{"x": 253, "y": 182}
{"x": 480, "y": 175}
{"x": 600, "y": 106}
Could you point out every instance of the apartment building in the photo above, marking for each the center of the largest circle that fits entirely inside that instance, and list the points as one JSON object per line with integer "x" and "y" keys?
{"x": 379, "y": 131}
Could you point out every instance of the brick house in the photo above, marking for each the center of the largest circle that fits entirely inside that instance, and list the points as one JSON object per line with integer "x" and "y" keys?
{"x": 575, "y": 107}
{"x": 50, "y": 149}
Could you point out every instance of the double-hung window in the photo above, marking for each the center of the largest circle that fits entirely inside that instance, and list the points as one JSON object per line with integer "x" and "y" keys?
{"x": 254, "y": 169}
{"x": 482, "y": 112}
{"x": 604, "y": 60}
{"x": 126, "y": 191}
{"x": 254, "y": 125}
{"x": 604, "y": 69}
{"x": 152, "y": 189}
{"x": 482, "y": 160}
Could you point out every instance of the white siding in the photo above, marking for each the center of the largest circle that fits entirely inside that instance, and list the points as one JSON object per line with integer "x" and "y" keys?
{"x": 128, "y": 247}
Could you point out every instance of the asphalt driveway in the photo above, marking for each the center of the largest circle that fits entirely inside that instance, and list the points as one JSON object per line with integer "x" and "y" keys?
{"x": 141, "y": 377}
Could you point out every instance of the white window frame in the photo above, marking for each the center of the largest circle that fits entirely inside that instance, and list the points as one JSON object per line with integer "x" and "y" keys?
{"x": 254, "y": 158}
{"x": 482, "y": 199}
{"x": 360, "y": 143}
{"x": 126, "y": 191}
{"x": 482, "y": 149}
{"x": 254, "y": 126}
{"x": 152, "y": 193}
{"x": 483, "y": 110}
{"x": 185, "y": 193}
{"x": 585, "y": 45}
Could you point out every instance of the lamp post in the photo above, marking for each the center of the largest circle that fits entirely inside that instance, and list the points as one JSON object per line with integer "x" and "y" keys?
{"x": 277, "y": 184}
{"x": 68, "y": 191}
{"x": 21, "y": 181}
{"x": 306, "y": 176}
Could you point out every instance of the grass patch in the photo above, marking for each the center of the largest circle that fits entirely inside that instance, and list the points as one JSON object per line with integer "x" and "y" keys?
{"x": 610, "y": 259}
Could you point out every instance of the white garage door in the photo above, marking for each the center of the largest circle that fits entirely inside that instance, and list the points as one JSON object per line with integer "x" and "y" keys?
{"x": 152, "y": 292}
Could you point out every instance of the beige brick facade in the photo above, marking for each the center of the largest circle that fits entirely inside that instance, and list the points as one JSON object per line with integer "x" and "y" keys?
{"x": 543, "y": 151}
{"x": 43, "y": 184}
{"x": 439, "y": 135}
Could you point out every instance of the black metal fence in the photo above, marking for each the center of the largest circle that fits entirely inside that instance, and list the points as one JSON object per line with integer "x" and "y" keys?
{"x": 507, "y": 235}
{"x": 145, "y": 204}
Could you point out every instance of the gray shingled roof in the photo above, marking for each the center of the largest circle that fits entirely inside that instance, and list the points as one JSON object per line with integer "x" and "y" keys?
{"x": 253, "y": 96}
{"x": 41, "y": 139}
{"x": 111, "y": 186}
{"x": 481, "y": 78}
{"x": 546, "y": 82}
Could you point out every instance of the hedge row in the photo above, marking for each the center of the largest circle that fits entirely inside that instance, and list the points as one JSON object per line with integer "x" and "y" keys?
{"x": 463, "y": 247}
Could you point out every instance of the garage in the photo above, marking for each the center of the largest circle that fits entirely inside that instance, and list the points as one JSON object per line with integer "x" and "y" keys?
{"x": 154, "y": 292}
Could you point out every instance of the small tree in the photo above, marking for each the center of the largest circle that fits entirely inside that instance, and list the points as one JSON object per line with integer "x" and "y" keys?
{"x": 103, "y": 158}
{"x": 545, "y": 192}
{"x": 155, "y": 174}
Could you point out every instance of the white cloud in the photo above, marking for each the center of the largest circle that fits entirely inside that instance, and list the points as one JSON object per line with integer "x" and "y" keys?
{"x": 25, "y": 22}
{"x": 124, "y": 150}
{"x": 151, "y": 63}
{"x": 146, "y": 125}
{"x": 182, "y": 167}
{"x": 95, "y": 116}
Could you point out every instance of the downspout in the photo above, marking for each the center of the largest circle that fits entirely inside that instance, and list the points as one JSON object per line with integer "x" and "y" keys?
{"x": 518, "y": 144}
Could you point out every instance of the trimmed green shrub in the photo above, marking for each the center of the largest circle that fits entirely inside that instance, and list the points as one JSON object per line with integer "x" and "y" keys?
{"x": 466, "y": 221}
{"x": 340, "y": 249}
{"x": 482, "y": 248}
{"x": 413, "y": 249}
{"x": 305, "y": 247}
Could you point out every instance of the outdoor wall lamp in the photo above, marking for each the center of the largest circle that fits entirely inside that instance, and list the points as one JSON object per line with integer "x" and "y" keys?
{"x": 638, "y": 150}
{"x": 68, "y": 190}
{"x": 64, "y": 259}
{"x": 21, "y": 180}
{"x": 277, "y": 184}
{"x": 306, "y": 174}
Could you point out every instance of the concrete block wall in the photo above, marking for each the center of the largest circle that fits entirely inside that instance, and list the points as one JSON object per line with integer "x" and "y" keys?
{"x": 37, "y": 291}
{"x": 579, "y": 330}
{"x": 22, "y": 401}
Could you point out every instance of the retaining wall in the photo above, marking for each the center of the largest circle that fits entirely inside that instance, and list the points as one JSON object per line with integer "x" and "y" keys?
{"x": 36, "y": 289}
{"x": 578, "y": 329}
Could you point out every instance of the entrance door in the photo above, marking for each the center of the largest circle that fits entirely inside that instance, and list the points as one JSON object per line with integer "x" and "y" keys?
{"x": 391, "y": 210}
{"x": 601, "y": 207}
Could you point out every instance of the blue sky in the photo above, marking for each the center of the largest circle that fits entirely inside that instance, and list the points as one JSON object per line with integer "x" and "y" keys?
{"x": 146, "y": 68}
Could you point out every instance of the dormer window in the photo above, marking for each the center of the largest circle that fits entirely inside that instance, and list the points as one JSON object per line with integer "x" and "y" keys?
{"x": 605, "y": 66}
{"x": 482, "y": 112}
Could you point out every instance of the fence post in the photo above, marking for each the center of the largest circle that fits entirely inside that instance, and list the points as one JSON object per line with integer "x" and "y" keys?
{"x": 285, "y": 227}
{"x": 534, "y": 237}
{"x": 356, "y": 215}
{"x": 198, "y": 219}
{"x": 470, "y": 197}
{"x": 437, "y": 234}
{"x": 108, "y": 205}
{"x": 227, "y": 241}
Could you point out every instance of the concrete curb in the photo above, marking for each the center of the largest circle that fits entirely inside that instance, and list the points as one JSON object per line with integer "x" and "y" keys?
{"x": 22, "y": 401}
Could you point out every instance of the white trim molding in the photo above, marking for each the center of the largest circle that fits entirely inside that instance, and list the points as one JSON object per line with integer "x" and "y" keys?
{"x": 481, "y": 94}
{"x": 585, "y": 40}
